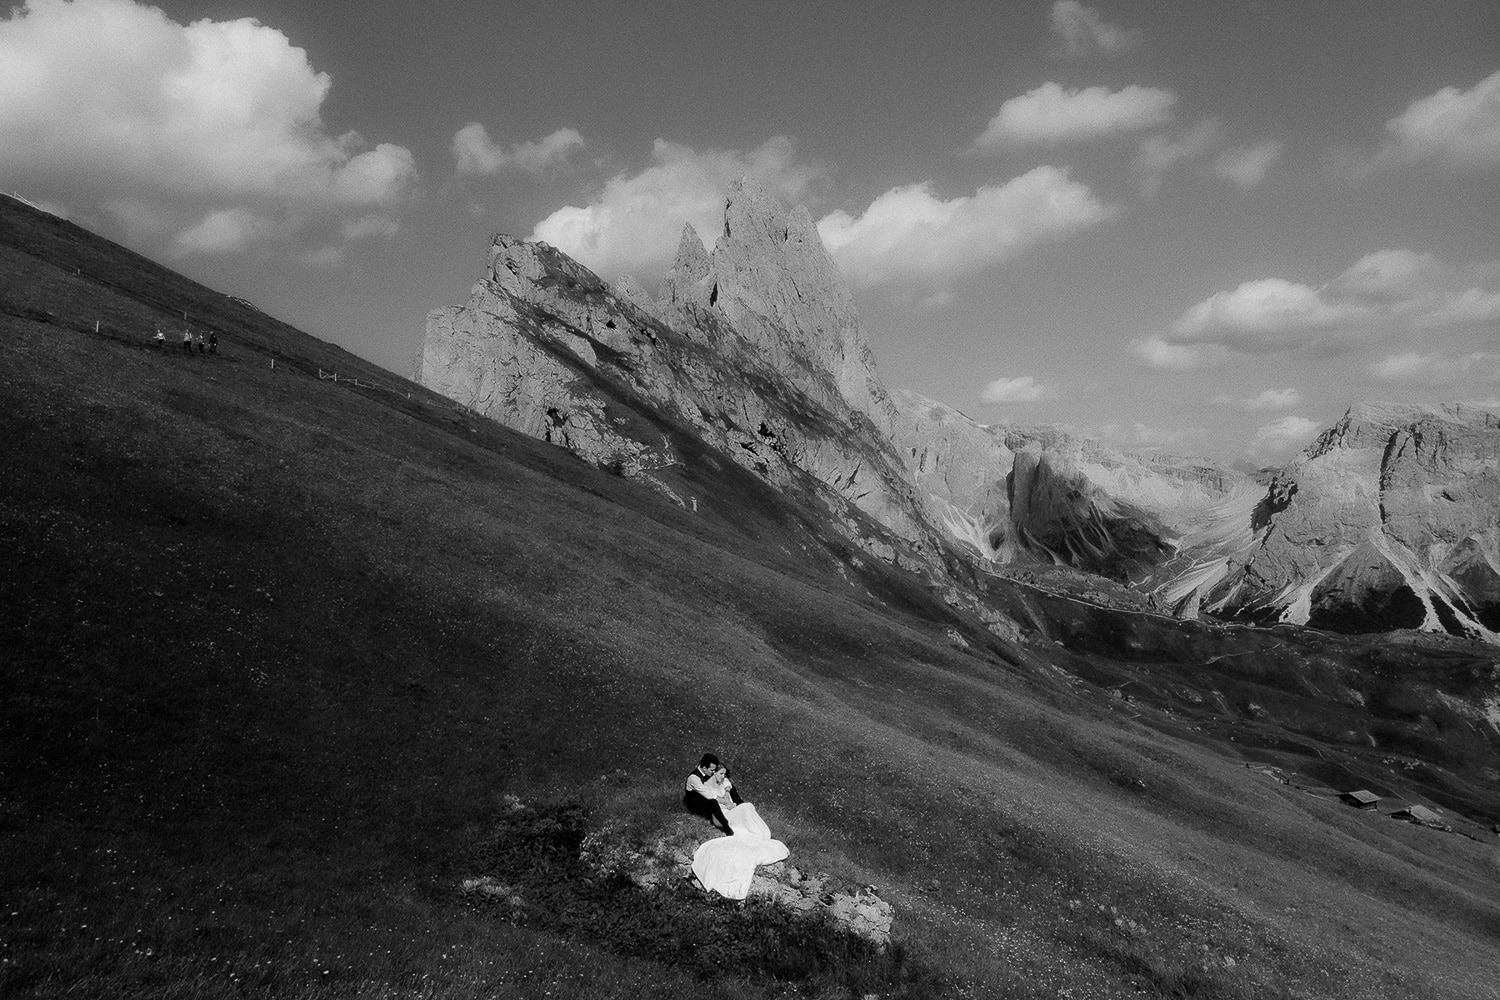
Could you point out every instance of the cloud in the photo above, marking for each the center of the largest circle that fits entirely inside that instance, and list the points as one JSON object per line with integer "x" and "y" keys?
{"x": 323, "y": 257}
{"x": 1281, "y": 437}
{"x": 634, "y": 223}
{"x": 1049, "y": 115}
{"x": 1384, "y": 292}
{"x": 908, "y": 236}
{"x": 1265, "y": 314}
{"x": 1267, "y": 399}
{"x": 475, "y": 153}
{"x": 228, "y": 231}
{"x": 1434, "y": 370}
{"x": 1083, "y": 31}
{"x": 208, "y": 135}
{"x": 1158, "y": 154}
{"x": 1021, "y": 389}
{"x": 366, "y": 226}
{"x": 1143, "y": 437}
{"x": 1160, "y": 353}
{"x": 1247, "y": 166}
{"x": 1455, "y": 130}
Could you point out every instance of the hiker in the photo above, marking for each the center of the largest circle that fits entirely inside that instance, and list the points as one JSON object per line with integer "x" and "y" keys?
{"x": 213, "y": 342}
{"x": 200, "y": 341}
{"x": 161, "y": 338}
{"x": 187, "y": 341}
{"x": 710, "y": 793}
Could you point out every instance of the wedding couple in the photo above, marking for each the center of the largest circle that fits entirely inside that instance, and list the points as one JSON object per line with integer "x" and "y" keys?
{"x": 726, "y": 864}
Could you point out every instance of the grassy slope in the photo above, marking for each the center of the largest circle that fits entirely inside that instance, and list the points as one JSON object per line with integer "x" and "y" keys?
{"x": 275, "y": 648}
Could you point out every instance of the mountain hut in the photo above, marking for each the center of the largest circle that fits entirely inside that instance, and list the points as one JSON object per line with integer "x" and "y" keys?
{"x": 1422, "y": 815}
{"x": 1362, "y": 799}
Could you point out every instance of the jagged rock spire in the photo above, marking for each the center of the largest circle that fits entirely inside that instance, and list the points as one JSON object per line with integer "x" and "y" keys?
{"x": 689, "y": 267}
{"x": 780, "y": 288}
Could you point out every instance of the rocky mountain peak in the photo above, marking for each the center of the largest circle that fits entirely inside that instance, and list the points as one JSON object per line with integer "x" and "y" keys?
{"x": 689, "y": 268}
{"x": 1388, "y": 520}
{"x": 520, "y": 268}
{"x": 775, "y": 282}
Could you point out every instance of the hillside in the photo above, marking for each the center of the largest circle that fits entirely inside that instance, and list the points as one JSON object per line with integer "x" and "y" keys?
{"x": 276, "y": 648}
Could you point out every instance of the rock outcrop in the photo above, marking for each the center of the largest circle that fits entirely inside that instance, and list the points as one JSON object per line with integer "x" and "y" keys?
{"x": 546, "y": 347}
{"x": 755, "y": 348}
{"x": 1391, "y": 519}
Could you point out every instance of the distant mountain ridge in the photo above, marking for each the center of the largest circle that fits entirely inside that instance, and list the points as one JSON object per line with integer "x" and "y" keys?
{"x": 1390, "y": 520}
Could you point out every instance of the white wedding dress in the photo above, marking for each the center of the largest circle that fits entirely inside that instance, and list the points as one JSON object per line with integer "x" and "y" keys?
{"x": 726, "y": 864}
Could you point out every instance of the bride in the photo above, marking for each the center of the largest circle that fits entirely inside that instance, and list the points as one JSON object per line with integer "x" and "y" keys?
{"x": 711, "y": 794}
{"x": 726, "y": 864}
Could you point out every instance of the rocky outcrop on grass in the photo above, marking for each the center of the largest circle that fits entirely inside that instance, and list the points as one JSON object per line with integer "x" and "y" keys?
{"x": 548, "y": 866}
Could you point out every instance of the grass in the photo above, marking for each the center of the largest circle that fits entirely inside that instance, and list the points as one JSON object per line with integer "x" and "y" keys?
{"x": 541, "y": 855}
{"x": 275, "y": 652}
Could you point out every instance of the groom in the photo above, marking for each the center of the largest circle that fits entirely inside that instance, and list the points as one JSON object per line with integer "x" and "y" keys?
{"x": 705, "y": 795}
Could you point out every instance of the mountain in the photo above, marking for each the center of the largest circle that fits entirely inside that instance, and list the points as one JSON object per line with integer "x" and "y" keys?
{"x": 288, "y": 659}
{"x": 1392, "y": 520}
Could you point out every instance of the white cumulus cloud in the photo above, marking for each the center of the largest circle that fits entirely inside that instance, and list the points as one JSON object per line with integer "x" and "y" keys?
{"x": 1020, "y": 389}
{"x": 1247, "y": 166}
{"x": 1433, "y": 369}
{"x": 1383, "y": 292}
{"x": 474, "y": 152}
{"x": 1051, "y": 114}
{"x": 1145, "y": 437}
{"x": 1083, "y": 31}
{"x": 1267, "y": 399}
{"x": 208, "y": 134}
{"x": 228, "y": 231}
{"x": 1160, "y": 353}
{"x": 909, "y": 236}
{"x": 1158, "y": 154}
{"x": 1453, "y": 129}
{"x": 633, "y": 224}
{"x": 1280, "y": 438}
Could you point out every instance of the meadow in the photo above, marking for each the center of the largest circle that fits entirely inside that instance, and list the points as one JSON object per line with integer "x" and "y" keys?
{"x": 276, "y": 652}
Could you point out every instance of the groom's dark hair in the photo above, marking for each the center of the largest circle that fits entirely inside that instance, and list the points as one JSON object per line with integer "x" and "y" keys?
{"x": 709, "y": 759}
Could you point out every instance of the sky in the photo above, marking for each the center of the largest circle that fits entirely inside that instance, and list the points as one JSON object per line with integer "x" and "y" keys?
{"x": 1202, "y": 227}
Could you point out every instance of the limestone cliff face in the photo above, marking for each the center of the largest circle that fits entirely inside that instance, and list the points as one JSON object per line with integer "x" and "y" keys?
{"x": 772, "y": 279}
{"x": 755, "y": 348}
{"x": 1391, "y": 519}
{"x": 546, "y": 347}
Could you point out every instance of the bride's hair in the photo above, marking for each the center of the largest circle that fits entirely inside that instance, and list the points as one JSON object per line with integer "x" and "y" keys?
{"x": 708, "y": 760}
